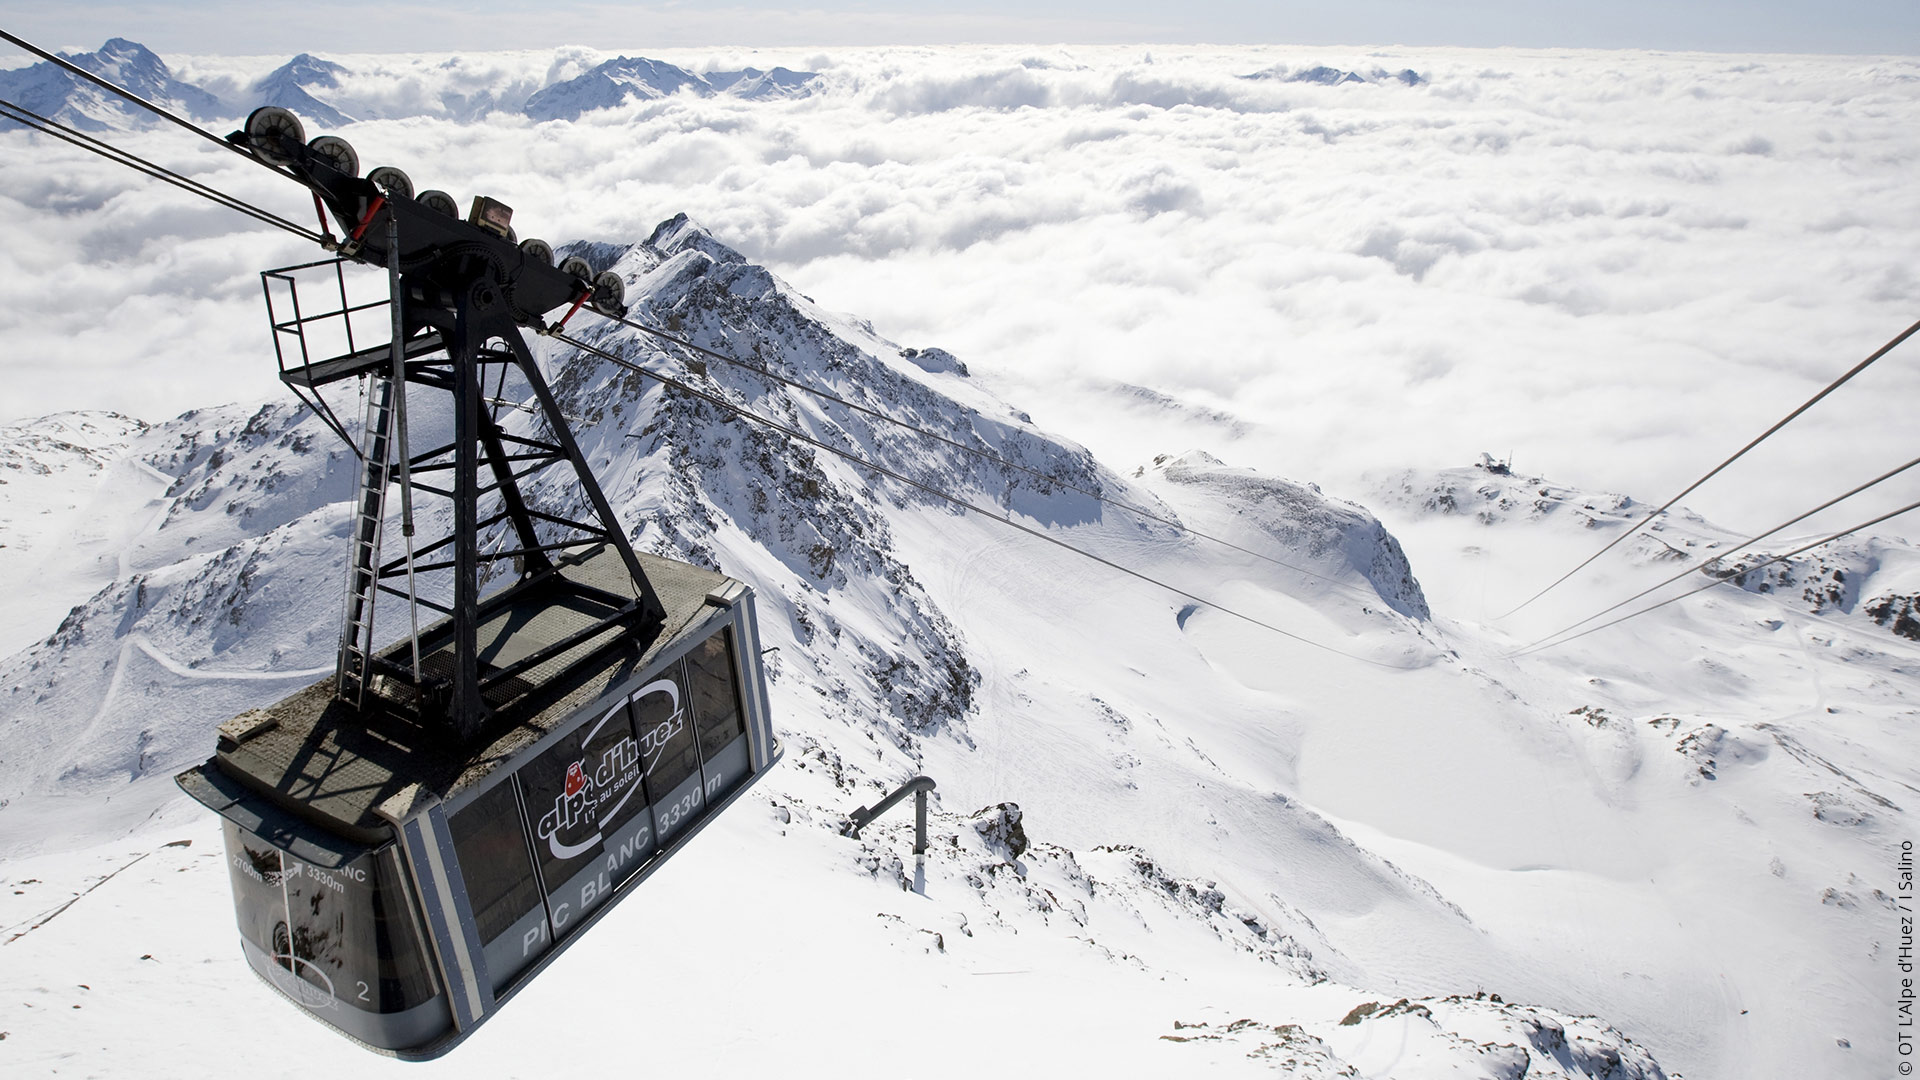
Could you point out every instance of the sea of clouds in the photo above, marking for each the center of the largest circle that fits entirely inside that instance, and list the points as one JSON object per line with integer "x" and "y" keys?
{"x": 1617, "y": 266}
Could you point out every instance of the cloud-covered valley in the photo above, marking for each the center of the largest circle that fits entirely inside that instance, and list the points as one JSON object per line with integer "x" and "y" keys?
{"x": 1615, "y": 265}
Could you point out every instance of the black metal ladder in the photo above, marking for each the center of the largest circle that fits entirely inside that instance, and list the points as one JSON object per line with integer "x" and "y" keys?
{"x": 363, "y": 561}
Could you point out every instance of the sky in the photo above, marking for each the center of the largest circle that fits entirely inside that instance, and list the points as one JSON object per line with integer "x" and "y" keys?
{"x": 231, "y": 26}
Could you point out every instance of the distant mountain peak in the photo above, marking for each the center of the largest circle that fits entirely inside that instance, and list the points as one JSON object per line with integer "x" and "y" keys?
{"x": 309, "y": 70}
{"x": 681, "y": 233}
{"x": 759, "y": 85}
{"x": 52, "y": 92}
{"x": 637, "y": 78}
{"x": 1322, "y": 75}
{"x": 287, "y": 86}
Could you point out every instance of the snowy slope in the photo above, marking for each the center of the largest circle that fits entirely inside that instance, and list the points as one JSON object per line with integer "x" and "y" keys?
{"x": 1166, "y": 838}
{"x": 66, "y": 485}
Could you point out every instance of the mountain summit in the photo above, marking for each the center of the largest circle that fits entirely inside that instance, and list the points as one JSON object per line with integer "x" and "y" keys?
{"x": 289, "y": 84}
{"x": 58, "y": 95}
{"x": 626, "y": 78}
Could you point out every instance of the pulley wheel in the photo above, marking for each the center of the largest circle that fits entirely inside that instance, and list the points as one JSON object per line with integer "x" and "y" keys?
{"x": 578, "y": 267}
{"x": 336, "y": 152}
{"x": 267, "y": 126}
{"x": 608, "y": 291}
{"x": 392, "y": 181}
{"x": 439, "y": 202}
{"x": 538, "y": 250}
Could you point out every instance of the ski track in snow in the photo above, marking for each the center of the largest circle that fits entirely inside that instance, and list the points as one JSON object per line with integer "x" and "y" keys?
{"x": 140, "y": 642}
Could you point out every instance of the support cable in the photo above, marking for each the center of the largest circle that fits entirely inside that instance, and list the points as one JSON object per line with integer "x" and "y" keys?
{"x": 984, "y": 455}
{"x": 28, "y": 118}
{"x": 1723, "y": 580}
{"x": 1743, "y": 545}
{"x": 1762, "y": 437}
{"x": 397, "y": 357}
{"x": 882, "y": 470}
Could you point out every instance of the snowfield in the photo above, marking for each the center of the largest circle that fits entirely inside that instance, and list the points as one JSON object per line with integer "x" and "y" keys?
{"x": 1288, "y": 794}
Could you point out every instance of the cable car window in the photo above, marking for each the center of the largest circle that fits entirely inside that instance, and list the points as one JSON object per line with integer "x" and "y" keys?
{"x": 717, "y": 716}
{"x": 258, "y": 904}
{"x": 406, "y": 971}
{"x": 340, "y": 931}
{"x": 583, "y": 795}
{"x": 491, "y": 844}
{"x": 317, "y": 916}
{"x": 349, "y": 939}
{"x": 670, "y": 753}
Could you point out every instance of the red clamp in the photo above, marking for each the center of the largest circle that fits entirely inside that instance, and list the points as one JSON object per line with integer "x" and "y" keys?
{"x": 326, "y": 229}
{"x": 562, "y": 324}
{"x": 372, "y": 209}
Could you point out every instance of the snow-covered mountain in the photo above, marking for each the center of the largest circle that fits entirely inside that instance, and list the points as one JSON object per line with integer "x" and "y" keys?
{"x": 626, "y": 78}
{"x": 58, "y": 95}
{"x": 1857, "y": 577}
{"x": 1323, "y": 75}
{"x": 58, "y": 539}
{"x": 328, "y": 94}
{"x": 289, "y": 86}
{"x": 1167, "y": 839}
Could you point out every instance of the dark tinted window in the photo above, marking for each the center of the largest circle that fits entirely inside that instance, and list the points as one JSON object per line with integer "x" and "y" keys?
{"x": 668, "y": 750}
{"x": 406, "y": 971}
{"x": 344, "y": 931}
{"x": 352, "y": 938}
{"x": 720, "y": 721}
{"x": 492, "y": 848}
{"x": 254, "y": 868}
{"x": 716, "y": 702}
{"x": 579, "y": 792}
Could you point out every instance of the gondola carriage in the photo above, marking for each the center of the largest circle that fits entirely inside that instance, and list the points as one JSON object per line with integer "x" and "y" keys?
{"x": 413, "y": 840}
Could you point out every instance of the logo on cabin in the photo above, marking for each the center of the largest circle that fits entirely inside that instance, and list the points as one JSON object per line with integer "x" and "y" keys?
{"x": 595, "y": 791}
{"x": 653, "y": 741}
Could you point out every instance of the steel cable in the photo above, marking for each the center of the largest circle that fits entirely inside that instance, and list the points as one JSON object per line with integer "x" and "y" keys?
{"x": 1721, "y": 581}
{"x": 1762, "y": 437}
{"x": 120, "y": 91}
{"x": 1744, "y": 544}
{"x": 882, "y": 470}
{"x": 984, "y": 455}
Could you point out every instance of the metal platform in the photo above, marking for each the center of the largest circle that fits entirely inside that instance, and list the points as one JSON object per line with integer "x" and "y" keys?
{"x": 367, "y": 361}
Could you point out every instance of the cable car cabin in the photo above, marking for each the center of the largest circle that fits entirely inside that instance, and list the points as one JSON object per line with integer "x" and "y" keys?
{"x": 400, "y": 884}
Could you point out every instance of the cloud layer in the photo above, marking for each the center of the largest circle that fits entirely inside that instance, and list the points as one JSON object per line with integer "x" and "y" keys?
{"x": 1618, "y": 266}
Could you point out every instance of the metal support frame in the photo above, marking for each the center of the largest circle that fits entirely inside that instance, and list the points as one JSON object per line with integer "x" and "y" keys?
{"x": 454, "y": 332}
{"x": 918, "y": 788}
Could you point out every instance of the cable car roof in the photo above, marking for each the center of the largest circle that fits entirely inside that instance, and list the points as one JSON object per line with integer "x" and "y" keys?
{"x": 339, "y": 764}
